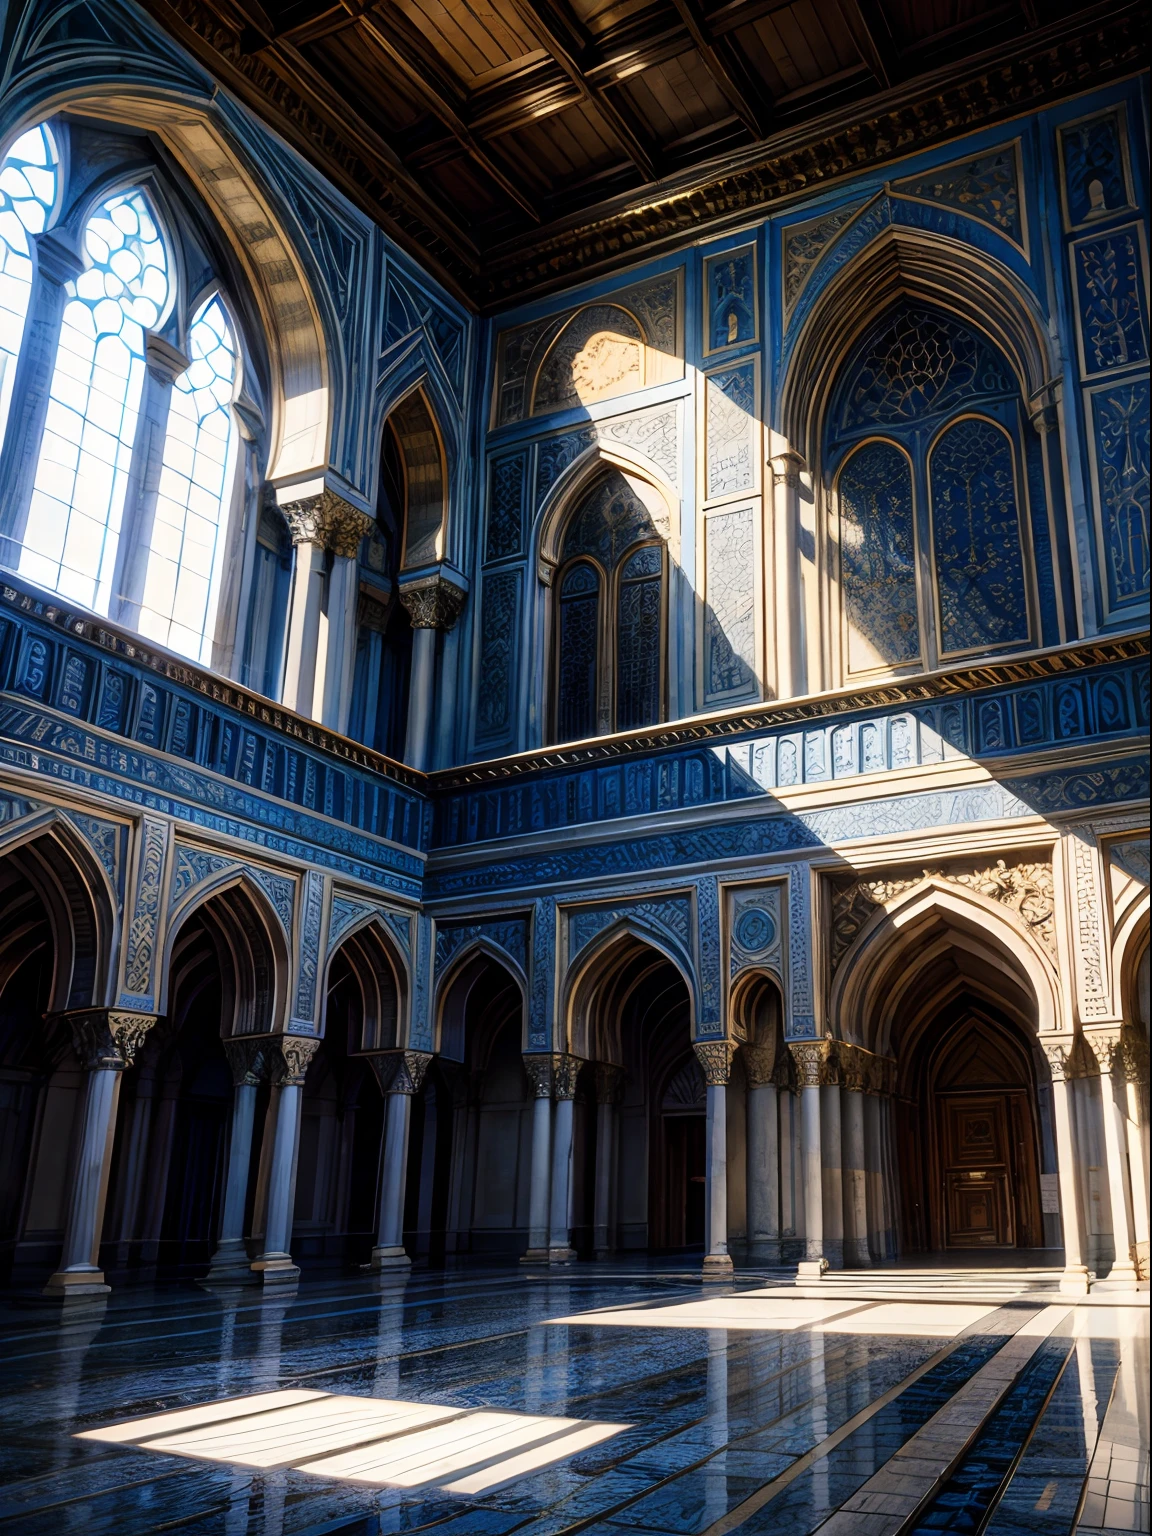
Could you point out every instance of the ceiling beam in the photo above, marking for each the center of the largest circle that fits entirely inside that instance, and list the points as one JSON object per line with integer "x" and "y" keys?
{"x": 751, "y": 113}
{"x": 871, "y": 34}
{"x": 565, "y": 40}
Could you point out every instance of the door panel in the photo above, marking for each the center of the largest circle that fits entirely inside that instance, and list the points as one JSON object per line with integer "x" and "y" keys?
{"x": 974, "y": 1164}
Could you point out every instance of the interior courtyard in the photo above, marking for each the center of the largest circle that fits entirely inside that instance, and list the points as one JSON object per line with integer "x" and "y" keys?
{"x": 574, "y": 696}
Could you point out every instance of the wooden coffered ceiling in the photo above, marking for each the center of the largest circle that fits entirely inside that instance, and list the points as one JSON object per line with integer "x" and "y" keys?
{"x": 516, "y": 144}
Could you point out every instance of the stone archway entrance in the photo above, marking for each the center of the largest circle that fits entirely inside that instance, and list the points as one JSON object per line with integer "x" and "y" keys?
{"x": 970, "y": 1151}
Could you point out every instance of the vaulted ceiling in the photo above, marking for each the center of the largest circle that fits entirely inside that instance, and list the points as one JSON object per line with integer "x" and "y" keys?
{"x": 514, "y": 144}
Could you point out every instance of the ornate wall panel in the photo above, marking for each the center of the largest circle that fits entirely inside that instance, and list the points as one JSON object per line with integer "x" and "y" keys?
{"x": 985, "y": 188}
{"x": 577, "y": 680}
{"x": 756, "y": 928}
{"x": 500, "y": 614}
{"x": 653, "y": 432}
{"x": 731, "y": 301}
{"x": 1108, "y": 271}
{"x": 803, "y": 244}
{"x": 507, "y": 494}
{"x": 731, "y": 430}
{"x": 639, "y": 638}
{"x": 1119, "y": 418}
{"x": 1096, "y": 178}
{"x": 730, "y": 609}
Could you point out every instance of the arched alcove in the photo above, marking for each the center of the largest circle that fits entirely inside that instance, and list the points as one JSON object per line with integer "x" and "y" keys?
{"x": 251, "y": 944}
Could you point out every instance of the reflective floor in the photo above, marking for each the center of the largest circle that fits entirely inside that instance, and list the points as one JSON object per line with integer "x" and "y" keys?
{"x": 593, "y": 1399}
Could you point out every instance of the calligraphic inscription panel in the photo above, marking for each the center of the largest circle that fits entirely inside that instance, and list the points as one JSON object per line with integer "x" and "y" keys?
{"x": 730, "y": 418}
{"x": 878, "y": 559}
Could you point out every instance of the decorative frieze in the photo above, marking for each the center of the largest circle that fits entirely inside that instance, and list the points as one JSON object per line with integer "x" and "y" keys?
{"x": 1091, "y": 967}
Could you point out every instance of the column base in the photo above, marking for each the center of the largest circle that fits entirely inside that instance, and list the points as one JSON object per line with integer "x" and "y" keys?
{"x": 68, "y": 1283}
{"x": 717, "y": 1266}
{"x": 1075, "y": 1281}
{"x": 765, "y": 1251}
{"x": 275, "y": 1269}
{"x": 856, "y": 1254}
{"x": 390, "y": 1258}
{"x": 811, "y": 1269}
{"x": 558, "y": 1256}
{"x": 1121, "y": 1277}
{"x": 230, "y": 1265}
{"x": 535, "y": 1256}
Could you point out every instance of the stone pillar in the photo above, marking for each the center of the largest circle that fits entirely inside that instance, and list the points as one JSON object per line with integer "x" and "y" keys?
{"x": 539, "y": 1069}
{"x": 1074, "y": 1281}
{"x": 1105, "y": 1045}
{"x": 609, "y": 1087}
{"x": 57, "y": 264}
{"x": 318, "y": 683}
{"x": 564, "y": 1075}
{"x": 372, "y": 611}
{"x": 289, "y": 1058}
{"x": 432, "y": 603}
{"x": 832, "y": 1177}
{"x": 791, "y": 673}
{"x": 165, "y": 363}
{"x": 807, "y": 1055}
{"x": 230, "y": 1264}
{"x": 874, "y": 1175}
{"x": 856, "y": 1254}
{"x": 106, "y": 1041}
{"x": 715, "y": 1057}
{"x": 400, "y": 1075}
{"x": 1134, "y": 1064}
{"x": 763, "y": 1156}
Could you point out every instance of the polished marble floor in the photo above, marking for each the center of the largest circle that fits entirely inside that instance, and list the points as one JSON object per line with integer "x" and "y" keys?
{"x": 599, "y": 1399}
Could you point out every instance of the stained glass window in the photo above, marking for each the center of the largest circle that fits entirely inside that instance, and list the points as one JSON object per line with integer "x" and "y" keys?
{"x": 878, "y": 558}
{"x": 28, "y": 179}
{"x": 976, "y": 538}
{"x": 577, "y": 652}
{"x": 82, "y": 475}
{"x": 638, "y": 626}
{"x": 187, "y": 542}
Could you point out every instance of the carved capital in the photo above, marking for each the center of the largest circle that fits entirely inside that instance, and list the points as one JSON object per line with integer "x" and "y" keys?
{"x": 372, "y": 608}
{"x": 809, "y": 1057}
{"x": 248, "y": 1059}
{"x": 432, "y": 602}
{"x": 1134, "y": 1055}
{"x": 759, "y": 1064}
{"x": 540, "y": 1067}
{"x": 329, "y": 521}
{"x": 289, "y": 1057}
{"x": 609, "y": 1083}
{"x": 715, "y": 1058}
{"x": 788, "y": 467}
{"x": 1066, "y": 1059}
{"x": 400, "y": 1071}
{"x": 107, "y": 1039}
{"x": 164, "y": 361}
{"x": 1043, "y": 410}
{"x": 1105, "y": 1046}
{"x": 564, "y": 1076}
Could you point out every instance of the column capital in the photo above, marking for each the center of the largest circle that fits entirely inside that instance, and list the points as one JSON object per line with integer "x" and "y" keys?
{"x": 373, "y": 606}
{"x": 1069, "y": 1058}
{"x": 759, "y": 1064}
{"x": 809, "y": 1057}
{"x": 248, "y": 1059}
{"x": 715, "y": 1058}
{"x": 564, "y": 1075}
{"x": 400, "y": 1071}
{"x": 329, "y": 521}
{"x": 432, "y": 602}
{"x": 164, "y": 361}
{"x": 56, "y": 258}
{"x": 788, "y": 467}
{"x": 541, "y": 1067}
{"x": 609, "y": 1082}
{"x": 107, "y": 1039}
{"x": 1134, "y": 1055}
{"x": 1043, "y": 406}
{"x": 1105, "y": 1046}
{"x": 289, "y": 1057}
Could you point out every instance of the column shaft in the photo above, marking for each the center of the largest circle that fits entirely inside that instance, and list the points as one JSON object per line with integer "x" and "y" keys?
{"x": 303, "y": 641}
{"x": 856, "y": 1252}
{"x": 833, "y": 1176}
{"x": 79, "y": 1272}
{"x": 275, "y": 1263}
{"x": 343, "y": 599}
{"x": 541, "y": 1167}
{"x": 717, "y": 1262}
{"x": 763, "y": 1174}
{"x": 791, "y": 679}
{"x": 604, "y": 1234}
{"x": 814, "y": 1262}
{"x": 1075, "y": 1278}
{"x": 421, "y": 687}
{"x": 1123, "y": 1271}
{"x": 389, "y": 1250}
{"x": 230, "y": 1261}
{"x": 559, "y": 1246}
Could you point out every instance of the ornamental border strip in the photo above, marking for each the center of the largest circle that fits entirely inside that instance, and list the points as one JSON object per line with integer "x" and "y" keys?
{"x": 923, "y": 688}
{"x": 230, "y": 695}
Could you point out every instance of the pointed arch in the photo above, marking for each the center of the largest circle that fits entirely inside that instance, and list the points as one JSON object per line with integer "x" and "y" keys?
{"x": 919, "y": 265}
{"x": 415, "y": 425}
{"x": 945, "y": 935}
{"x": 368, "y": 957}
{"x": 603, "y": 976}
{"x": 249, "y": 942}
{"x": 82, "y": 907}
{"x": 658, "y": 494}
{"x": 463, "y": 979}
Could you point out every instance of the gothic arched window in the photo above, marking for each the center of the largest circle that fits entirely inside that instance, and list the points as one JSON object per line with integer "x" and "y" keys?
{"x": 609, "y": 615}
{"x": 120, "y": 466}
{"x": 929, "y": 520}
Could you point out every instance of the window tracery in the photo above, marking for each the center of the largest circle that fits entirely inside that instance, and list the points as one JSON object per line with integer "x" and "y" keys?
{"x": 28, "y": 186}
{"x": 878, "y": 558}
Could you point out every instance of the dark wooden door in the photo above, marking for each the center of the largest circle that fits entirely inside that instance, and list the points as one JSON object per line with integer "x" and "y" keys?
{"x": 975, "y": 1163}
{"x": 684, "y": 1149}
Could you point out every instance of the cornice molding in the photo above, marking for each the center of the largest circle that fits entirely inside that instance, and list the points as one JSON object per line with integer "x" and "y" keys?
{"x": 899, "y": 693}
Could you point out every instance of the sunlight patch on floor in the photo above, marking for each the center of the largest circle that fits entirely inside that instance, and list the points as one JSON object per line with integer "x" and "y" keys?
{"x": 364, "y": 1439}
{"x": 778, "y": 1311}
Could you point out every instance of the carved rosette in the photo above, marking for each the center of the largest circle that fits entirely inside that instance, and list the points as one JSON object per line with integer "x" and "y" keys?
{"x": 540, "y": 1067}
{"x": 564, "y": 1076}
{"x": 107, "y": 1039}
{"x": 609, "y": 1083}
{"x": 432, "y": 602}
{"x": 759, "y": 1064}
{"x": 329, "y": 521}
{"x": 715, "y": 1058}
{"x": 400, "y": 1071}
{"x": 809, "y": 1057}
{"x": 289, "y": 1057}
{"x": 248, "y": 1060}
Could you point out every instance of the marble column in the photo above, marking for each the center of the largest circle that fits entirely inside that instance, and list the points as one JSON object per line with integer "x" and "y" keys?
{"x": 1105, "y": 1044}
{"x": 1134, "y": 1064}
{"x": 715, "y": 1057}
{"x": 808, "y": 1055}
{"x": 1074, "y": 1281}
{"x": 564, "y": 1076}
{"x": 832, "y": 1176}
{"x": 230, "y": 1264}
{"x": 856, "y": 1253}
{"x": 763, "y": 1143}
{"x": 400, "y": 1075}
{"x": 433, "y": 603}
{"x": 164, "y": 365}
{"x": 790, "y": 669}
{"x": 346, "y": 528}
{"x": 609, "y": 1088}
{"x": 539, "y": 1069}
{"x": 873, "y": 1166}
{"x": 106, "y": 1041}
{"x": 372, "y": 613}
{"x": 57, "y": 264}
{"x": 289, "y": 1059}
